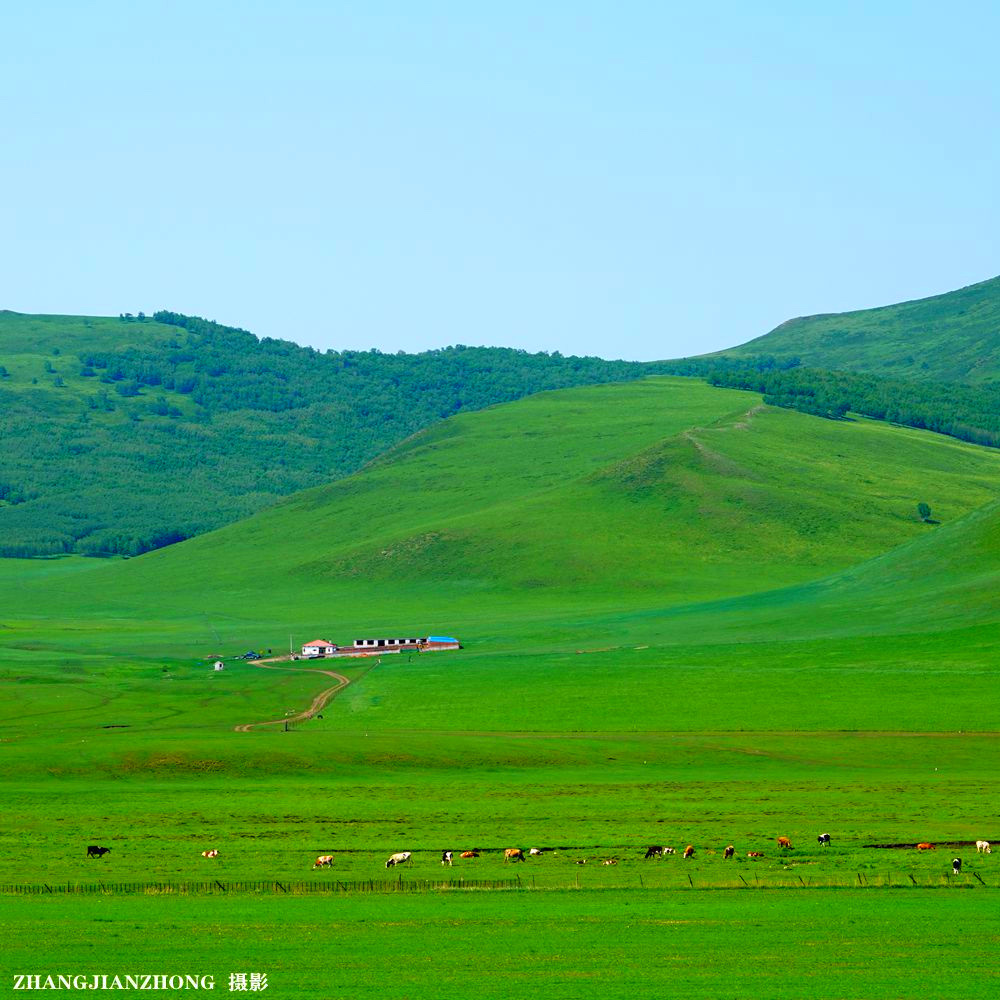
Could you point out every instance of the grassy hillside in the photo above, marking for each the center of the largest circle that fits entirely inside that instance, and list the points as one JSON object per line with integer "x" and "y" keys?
{"x": 667, "y": 487}
{"x": 123, "y": 435}
{"x": 953, "y": 337}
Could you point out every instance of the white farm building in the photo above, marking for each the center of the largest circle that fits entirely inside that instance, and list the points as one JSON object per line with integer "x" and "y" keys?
{"x": 319, "y": 647}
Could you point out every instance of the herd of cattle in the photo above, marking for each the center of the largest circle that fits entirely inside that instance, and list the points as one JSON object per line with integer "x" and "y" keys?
{"x": 514, "y": 854}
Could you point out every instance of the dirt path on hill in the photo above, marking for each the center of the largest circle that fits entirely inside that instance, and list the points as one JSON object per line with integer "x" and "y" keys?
{"x": 318, "y": 703}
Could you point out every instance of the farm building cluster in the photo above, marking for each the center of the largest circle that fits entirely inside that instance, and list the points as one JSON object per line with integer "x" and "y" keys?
{"x": 370, "y": 647}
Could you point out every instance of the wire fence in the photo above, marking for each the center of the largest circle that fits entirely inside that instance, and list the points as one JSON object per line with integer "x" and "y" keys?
{"x": 272, "y": 886}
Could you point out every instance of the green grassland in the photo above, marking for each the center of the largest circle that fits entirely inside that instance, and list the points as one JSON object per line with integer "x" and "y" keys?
{"x": 950, "y": 338}
{"x": 687, "y": 618}
{"x": 935, "y": 945}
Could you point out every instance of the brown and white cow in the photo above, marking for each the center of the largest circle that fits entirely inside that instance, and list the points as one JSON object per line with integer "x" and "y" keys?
{"x": 469, "y": 854}
{"x": 210, "y": 854}
{"x": 513, "y": 854}
{"x": 728, "y": 852}
{"x": 925, "y": 847}
{"x": 785, "y": 843}
{"x": 689, "y": 851}
{"x": 324, "y": 861}
{"x": 400, "y": 858}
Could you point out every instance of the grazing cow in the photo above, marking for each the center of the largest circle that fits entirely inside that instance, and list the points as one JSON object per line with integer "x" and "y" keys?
{"x": 582, "y": 861}
{"x": 655, "y": 852}
{"x": 513, "y": 854}
{"x": 324, "y": 861}
{"x": 669, "y": 850}
{"x": 210, "y": 854}
{"x": 689, "y": 851}
{"x": 399, "y": 858}
{"x": 469, "y": 854}
{"x": 446, "y": 858}
{"x": 983, "y": 847}
{"x": 97, "y": 852}
{"x": 728, "y": 852}
{"x": 755, "y": 854}
{"x": 925, "y": 847}
{"x": 785, "y": 843}
{"x": 610, "y": 861}
{"x": 823, "y": 840}
{"x": 956, "y": 866}
{"x": 535, "y": 852}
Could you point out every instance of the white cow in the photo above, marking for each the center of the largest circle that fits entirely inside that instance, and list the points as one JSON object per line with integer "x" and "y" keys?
{"x": 983, "y": 847}
{"x": 399, "y": 858}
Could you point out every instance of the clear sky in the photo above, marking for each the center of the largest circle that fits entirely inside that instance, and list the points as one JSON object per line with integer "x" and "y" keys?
{"x": 627, "y": 179}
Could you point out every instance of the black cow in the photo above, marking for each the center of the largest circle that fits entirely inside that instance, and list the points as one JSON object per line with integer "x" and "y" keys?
{"x": 654, "y": 852}
{"x": 823, "y": 840}
{"x": 93, "y": 851}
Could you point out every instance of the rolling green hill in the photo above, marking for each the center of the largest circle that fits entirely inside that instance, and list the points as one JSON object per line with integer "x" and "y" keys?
{"x": 122, "y": 435}
{"x": 954, "y": 337}
{"x": 650, "y": 494}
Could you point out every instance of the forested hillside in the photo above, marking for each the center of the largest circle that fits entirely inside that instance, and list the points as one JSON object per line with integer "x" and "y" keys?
{"x": 122, "y": 435}
{"x": 953, "y": 337}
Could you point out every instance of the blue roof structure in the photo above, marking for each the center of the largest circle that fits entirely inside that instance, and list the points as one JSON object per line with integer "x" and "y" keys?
{"x": 441, "y": 638}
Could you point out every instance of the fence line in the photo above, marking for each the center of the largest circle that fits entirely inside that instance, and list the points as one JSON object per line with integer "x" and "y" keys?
{"x": 276, "y": 886}
{"x": 846, "y": 880}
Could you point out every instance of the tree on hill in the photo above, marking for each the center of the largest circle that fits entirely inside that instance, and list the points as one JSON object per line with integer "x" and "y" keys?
{"x": 924, "y": 510}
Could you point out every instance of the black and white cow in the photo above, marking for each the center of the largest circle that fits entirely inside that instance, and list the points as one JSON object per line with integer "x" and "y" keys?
{"x": 824, "y": 840}
{"x": 93, "y": 851}
{"x": 956, "y": 866}
{"x": 398, "y": 859}
{"x": 446, "y": 858}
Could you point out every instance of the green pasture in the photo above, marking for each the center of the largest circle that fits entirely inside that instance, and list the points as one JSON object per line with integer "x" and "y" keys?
{"x": 271, "y": 802}
{"x": 818, "y": 943}
{"x": 686, "y": 619}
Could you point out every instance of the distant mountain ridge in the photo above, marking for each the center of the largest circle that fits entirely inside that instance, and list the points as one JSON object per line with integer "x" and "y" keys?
{"x": 953, "y": 337}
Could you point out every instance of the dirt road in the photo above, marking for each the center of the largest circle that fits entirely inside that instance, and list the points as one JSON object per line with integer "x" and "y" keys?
{"x": 318, "y": 703}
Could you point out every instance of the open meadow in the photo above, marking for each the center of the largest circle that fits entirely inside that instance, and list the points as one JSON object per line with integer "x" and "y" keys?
{"x": 686, "y": 618}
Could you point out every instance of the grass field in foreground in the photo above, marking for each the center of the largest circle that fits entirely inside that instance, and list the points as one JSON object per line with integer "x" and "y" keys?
{"x": 919, "y": 944}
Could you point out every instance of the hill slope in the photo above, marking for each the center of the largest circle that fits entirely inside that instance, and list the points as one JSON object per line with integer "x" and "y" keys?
{"x": 665, "y": 489}
{"x": 954, "y": 337}
{"x": 122, "y": 435}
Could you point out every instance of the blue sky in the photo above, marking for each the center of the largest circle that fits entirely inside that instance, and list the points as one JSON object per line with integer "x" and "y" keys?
{"x": 628, "y": 179}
